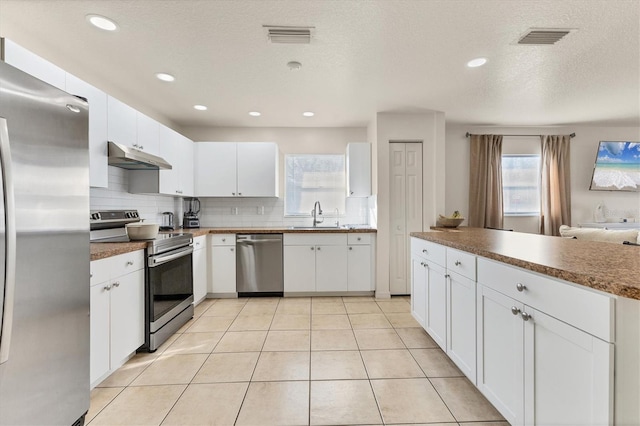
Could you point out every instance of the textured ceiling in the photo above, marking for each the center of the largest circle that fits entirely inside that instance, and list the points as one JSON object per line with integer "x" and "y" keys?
{"x": 366, "y": 57}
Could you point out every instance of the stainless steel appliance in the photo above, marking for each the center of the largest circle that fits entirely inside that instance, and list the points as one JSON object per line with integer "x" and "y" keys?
{"x": 167, "y": 221}
{"x": 168, "y": 274}
{"x": 192, "y": 209}
{"x": 259, "y": 269}
{"x": 44, "y": 246}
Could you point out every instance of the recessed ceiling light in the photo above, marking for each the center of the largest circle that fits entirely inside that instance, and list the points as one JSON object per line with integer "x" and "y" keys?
{"x": 164, "y": 76}
{"x": 255, "y": 114}
{"x": 294, "y": 65}
{"x": 200, "y": 107}
{"x": 308, "y": 114}
{"x": 477, "y": 62}
{"x": 102, "y": 22}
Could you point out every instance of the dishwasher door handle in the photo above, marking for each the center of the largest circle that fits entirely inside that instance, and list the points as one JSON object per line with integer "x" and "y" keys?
{"x": 271, "y": 240}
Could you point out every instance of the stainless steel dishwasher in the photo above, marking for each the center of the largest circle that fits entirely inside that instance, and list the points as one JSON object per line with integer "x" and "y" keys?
{"x": 259, "y": 265}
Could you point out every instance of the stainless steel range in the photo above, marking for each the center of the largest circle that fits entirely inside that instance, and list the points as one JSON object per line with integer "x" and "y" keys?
{"x": 168, "y": 274}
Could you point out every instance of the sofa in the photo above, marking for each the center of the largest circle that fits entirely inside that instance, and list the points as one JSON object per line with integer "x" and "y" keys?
{"x": 618, "y": 236}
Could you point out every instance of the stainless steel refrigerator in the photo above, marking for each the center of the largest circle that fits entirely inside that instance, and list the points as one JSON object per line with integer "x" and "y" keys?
{"x": 44, "y": 253}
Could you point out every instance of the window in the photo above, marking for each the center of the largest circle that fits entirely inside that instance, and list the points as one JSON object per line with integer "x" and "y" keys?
{"x": 521, "y": 185}
{"x": 310, "y": 178}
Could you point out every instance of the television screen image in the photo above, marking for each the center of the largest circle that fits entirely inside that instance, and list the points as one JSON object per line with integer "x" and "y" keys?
{"x": 617, "y": 167}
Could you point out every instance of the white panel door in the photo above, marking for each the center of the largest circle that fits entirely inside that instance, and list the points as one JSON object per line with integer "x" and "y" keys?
{"x": 199, "y": 270}
{"x": 461, "y": 327}
{"x": 436, "y": 315}
{"x": 359, "y": 269}
{"x": 501, "y": 353}
{"x": 405, "y": 210}
{"x": 215, "y": 169}
{"x": 419, "y": 289}
{"x": 122, "y": 127}
{"x": 223, "y": 269}
{"x": 299, "y": 268}
{"x": 98, "y": 134}
{"x": 127, "y": 315}
{"x": 257, "y": 169}
{"x": 331, "y": 268}
{"x": 99, "y": 331}
{"x": 566, "y": 367}
{"x": 397, "y": 210}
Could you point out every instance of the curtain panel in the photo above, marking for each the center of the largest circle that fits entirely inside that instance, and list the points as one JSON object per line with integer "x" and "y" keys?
{"x": 485, "y": 182}
{"x": 555, "y": 184}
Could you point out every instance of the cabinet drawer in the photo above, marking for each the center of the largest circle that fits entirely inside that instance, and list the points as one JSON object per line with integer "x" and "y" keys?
{"x": 311, "y": 239}
{"x": 358, "y": 239}
{"x": 462, "y": 263}
{"x": 199, "y": 242}
{"x": 578, "y": 306}
{"x": 126, "y": 263}
{"x": 223, "y": 239}
{"x": 430, "y": 251}
{"x": 99, "y": 271}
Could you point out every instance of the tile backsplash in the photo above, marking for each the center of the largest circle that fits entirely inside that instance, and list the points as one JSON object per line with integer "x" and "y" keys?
{"x": 220, "y": 212}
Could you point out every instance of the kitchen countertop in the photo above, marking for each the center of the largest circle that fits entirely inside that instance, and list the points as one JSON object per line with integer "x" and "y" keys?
{"x": 104, "y": 250}
{"x": 608, "y": 267}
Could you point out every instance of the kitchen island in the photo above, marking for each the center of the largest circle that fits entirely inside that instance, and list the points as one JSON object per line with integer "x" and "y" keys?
{"x": 547, "y": 328}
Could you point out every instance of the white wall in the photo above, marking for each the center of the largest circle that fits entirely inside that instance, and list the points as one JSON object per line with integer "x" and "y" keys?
{"x": 583, "y": 154}
{"x": 427, "y": 127}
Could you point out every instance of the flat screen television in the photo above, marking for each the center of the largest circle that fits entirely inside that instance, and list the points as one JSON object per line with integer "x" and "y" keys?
{"x": 617, "y": 167}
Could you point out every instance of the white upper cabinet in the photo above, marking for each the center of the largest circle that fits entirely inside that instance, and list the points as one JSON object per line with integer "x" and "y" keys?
{"x": 148, "y": 134}
{"x": 358, "y": 169}
{"x": 185, "y": 161}
{"x": 98, "y": 136}
{"x": 31, "y": 63}
{"x": 230, "y": 169}
{"x": 122, "y": 121}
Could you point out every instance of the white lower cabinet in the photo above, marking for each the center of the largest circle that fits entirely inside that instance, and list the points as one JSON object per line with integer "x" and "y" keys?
{"x": 436, "y": 317}
{"x": 200, "y": 276}
{"x": 117, "y": 312}
{"x": 223, "y": 264}
{"x": 461, "y": 323}
{"x": 328, "y": 262}
{"x": 541, "y": 370}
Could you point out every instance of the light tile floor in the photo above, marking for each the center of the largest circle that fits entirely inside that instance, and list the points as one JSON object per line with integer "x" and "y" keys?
{"x": 293, "y": 361}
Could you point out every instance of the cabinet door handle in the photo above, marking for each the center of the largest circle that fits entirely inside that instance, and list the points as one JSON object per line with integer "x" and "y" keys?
{"x": 233, "y": 193}
{"x": 351, "y": 193}
{"x": 231, "y": 249}
{"x": 107, "y": 287}
{"x": 350, "y": 248}
{"x": 521, "y": 287}
{"x": 447, "y": 275}
{"x": 526, "y": 316}
{"x": 425, "y": 251}
{"x": 359, "y": 239}
{"x": 116, "y": 284}
{"x": 318, "y": 248}
{"x": 129, "y": 263}
{"x": 514, "y": 310}
{"x": 313, "y": 248}
{"x": 239, "y": 193}
{"x": 458, "y": 263}
{"x": 224, "y": 239}
{"x": 90, "y": 275}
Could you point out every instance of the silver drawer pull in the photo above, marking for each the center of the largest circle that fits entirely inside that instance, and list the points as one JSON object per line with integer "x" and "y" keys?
{"x": 514, "y": 310}
{"x": 350, "y": 248}
{"x": 521, "y": 287}
{"x": 526, "y": 316}
{"x": 458, "y": 263}
{"x": 116, "y": 284}
{"x": 107, "y": 287}
{"x": 129, "y": 263}
{"x": 425, "y": 251}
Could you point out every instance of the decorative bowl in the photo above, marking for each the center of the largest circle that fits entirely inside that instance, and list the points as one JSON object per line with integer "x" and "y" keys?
{"x": 142, "y": 231}
{"x": 449, "y": 222}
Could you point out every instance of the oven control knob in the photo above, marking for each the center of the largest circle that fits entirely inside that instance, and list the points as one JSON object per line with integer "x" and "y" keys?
{"x": 95, "y": 216}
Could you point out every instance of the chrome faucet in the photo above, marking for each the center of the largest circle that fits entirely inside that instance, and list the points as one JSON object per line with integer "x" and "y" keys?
{"x": 317, "y": 211}
{"x": 337, "y": 218}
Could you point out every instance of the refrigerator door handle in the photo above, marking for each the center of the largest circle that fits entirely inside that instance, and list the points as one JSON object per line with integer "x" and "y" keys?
{"x": 6, "y": 313}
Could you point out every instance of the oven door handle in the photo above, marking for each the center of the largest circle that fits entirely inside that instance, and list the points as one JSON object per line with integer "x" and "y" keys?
{"x": 159, "y": 260}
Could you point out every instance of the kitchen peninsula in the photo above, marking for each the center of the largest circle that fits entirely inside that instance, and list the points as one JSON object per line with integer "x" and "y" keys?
{"x": 547, "y": 328}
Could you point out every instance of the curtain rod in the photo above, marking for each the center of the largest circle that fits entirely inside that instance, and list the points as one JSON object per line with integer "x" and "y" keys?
{"x": 573, "y": 135}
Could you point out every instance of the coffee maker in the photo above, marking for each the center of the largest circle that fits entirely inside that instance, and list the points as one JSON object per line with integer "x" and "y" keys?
{"x": 191, "y": 210}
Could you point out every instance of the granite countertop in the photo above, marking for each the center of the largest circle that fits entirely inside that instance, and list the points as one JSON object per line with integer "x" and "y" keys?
{"x": 612, "y": 268}
{"x": 104, "y": 250}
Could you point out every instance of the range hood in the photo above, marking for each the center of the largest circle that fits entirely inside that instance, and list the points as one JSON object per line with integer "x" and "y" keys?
{"x": 134, "y": 159}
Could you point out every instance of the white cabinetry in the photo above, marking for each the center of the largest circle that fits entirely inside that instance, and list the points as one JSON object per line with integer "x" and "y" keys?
{"x": 122, "y": 121}
{"x": 230, "y": 169}
{"x": 537, "y": 368}
{"x": 98, "y": 135}
{"x": 315, "y": 262}
{"x": 117, "y": 312}
{"x": 33, "y": 64}
{"x": 147, "y": 134}
{"x": 200, "y": 276}
{"x": 223, "y": 265}
{"x": 358, "y": 169}
{"x": 359, "y": 260}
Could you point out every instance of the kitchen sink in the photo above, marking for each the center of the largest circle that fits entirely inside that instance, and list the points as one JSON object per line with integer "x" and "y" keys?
{"x": 314, "y": 228}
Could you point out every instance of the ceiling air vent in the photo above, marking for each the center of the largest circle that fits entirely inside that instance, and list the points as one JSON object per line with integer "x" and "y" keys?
{"x": 296, "y": 35}
{"x": 543, "y": 36}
